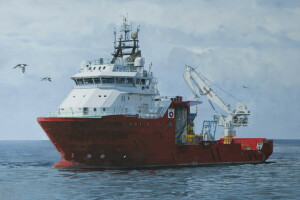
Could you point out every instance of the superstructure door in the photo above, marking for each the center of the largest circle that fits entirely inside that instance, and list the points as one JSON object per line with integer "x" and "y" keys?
{"x": 180, "y": 123}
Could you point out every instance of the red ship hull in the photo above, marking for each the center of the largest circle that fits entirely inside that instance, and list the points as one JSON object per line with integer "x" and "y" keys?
{"x": 132, "y": 142}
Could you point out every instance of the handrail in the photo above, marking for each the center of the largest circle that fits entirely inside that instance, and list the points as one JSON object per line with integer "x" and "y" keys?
{"x": 98, "y": 115}
{"x": 107, "y": 61}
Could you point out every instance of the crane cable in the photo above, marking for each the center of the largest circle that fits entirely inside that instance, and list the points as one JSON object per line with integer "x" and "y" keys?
{"x": 218, "y": 86}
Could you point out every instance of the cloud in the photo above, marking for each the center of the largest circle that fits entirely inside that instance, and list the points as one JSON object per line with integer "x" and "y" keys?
{"x": 294, "y": 36}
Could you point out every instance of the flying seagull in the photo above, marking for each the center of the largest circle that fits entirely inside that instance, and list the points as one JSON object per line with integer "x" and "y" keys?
{"x": 244, "y": 86}
{"x": 46, "y": 79}
{"x": 21, "y": 66}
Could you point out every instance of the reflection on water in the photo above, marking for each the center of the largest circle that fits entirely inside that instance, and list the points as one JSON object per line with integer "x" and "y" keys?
{"x": 26, "y": 173}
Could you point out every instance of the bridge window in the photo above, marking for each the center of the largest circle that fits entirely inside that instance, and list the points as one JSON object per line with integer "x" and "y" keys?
{"x": 129, "y": 80}
{"x": 97, "y": 80}
{"x": 80, "y": 81}
{"x": 120, "y": 80}
{"x": 88, "y": 81}
{"x": 138, "y": 81}
{"x": 107, "y": 80}
{"x": 145, "y": 81}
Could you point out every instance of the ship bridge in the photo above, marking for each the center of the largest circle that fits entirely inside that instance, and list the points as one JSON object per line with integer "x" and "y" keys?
{"x": 103, "y": 75}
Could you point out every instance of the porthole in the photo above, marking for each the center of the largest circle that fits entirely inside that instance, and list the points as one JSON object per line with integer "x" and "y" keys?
{"x": 90, "y": 68}
{"x": 94, "y": 68}
{"x": 104, "y": 67}
{"x": 99, "y": 95}
{"x": 104, "y": 95}
{"x": 99, "y": 68}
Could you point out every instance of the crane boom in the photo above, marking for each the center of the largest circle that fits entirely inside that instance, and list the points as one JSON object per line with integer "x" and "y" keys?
{"x": 187, "y": 78}
{"x": 203, "y": 88}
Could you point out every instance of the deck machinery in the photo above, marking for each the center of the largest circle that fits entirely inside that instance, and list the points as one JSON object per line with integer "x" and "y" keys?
{"x": 234, "y": 118}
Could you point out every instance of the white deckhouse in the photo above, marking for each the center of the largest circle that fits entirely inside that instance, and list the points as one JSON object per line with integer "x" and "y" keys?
{"x": 118, "y": 86}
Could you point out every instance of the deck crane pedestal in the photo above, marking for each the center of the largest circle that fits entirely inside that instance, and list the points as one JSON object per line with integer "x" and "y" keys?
{"x": 234, "y": 118}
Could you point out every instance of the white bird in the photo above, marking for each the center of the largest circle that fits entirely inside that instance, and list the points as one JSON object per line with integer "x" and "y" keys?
{"x": 46, "y": 79}
{"x": 244, "y": 86}
{"x": 21, "y": 66}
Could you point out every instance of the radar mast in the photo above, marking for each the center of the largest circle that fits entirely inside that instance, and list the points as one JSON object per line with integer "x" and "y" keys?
{"x": 126, "y": 46}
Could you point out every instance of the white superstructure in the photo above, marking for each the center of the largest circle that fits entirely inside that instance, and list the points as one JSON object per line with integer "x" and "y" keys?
{"x": 119, "y": 86}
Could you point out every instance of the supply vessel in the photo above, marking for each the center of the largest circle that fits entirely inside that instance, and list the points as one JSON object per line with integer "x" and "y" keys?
{"x": 114, "y": 117}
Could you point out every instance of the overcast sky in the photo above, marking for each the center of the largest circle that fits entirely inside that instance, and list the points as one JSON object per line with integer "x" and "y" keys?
{"x": 233, "y": 43}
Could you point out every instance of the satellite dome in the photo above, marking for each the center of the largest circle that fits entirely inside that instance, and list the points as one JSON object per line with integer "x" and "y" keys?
{"x": 134, "y": 35}
{"x": 120, "y": 36}
{"x": 139, "y": 62}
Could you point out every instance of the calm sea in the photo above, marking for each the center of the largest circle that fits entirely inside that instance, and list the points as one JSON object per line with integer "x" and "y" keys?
{"x": 26, "y": 173}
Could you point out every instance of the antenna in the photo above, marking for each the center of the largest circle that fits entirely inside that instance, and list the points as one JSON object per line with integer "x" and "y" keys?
{"x": 137, "y": 30}
{"x": 115, "y": 34}
{"x": 150, "y": 65}
{"x": 126, "y": 28}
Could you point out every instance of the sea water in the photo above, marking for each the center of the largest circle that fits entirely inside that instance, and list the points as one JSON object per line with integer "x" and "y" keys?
{"x": 26, "y": 173}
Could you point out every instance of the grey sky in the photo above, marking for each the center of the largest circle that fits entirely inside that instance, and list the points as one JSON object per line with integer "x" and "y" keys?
{"x": 233, "y": 43}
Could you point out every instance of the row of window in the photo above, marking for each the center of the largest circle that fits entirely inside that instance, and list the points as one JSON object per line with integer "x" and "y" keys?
{"x": 103, "y": 68}
{"x": 111, "y": 80}
{"x": 90, "y": 68}
{"x": 84, "y": 96}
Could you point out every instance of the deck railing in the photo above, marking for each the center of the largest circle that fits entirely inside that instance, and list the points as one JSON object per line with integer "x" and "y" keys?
{"x": 99, "y": 115}
{"x": 106, "y": 61}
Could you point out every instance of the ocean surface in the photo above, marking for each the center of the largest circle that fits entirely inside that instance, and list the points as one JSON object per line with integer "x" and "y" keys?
{"x": 26, "y": 173}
